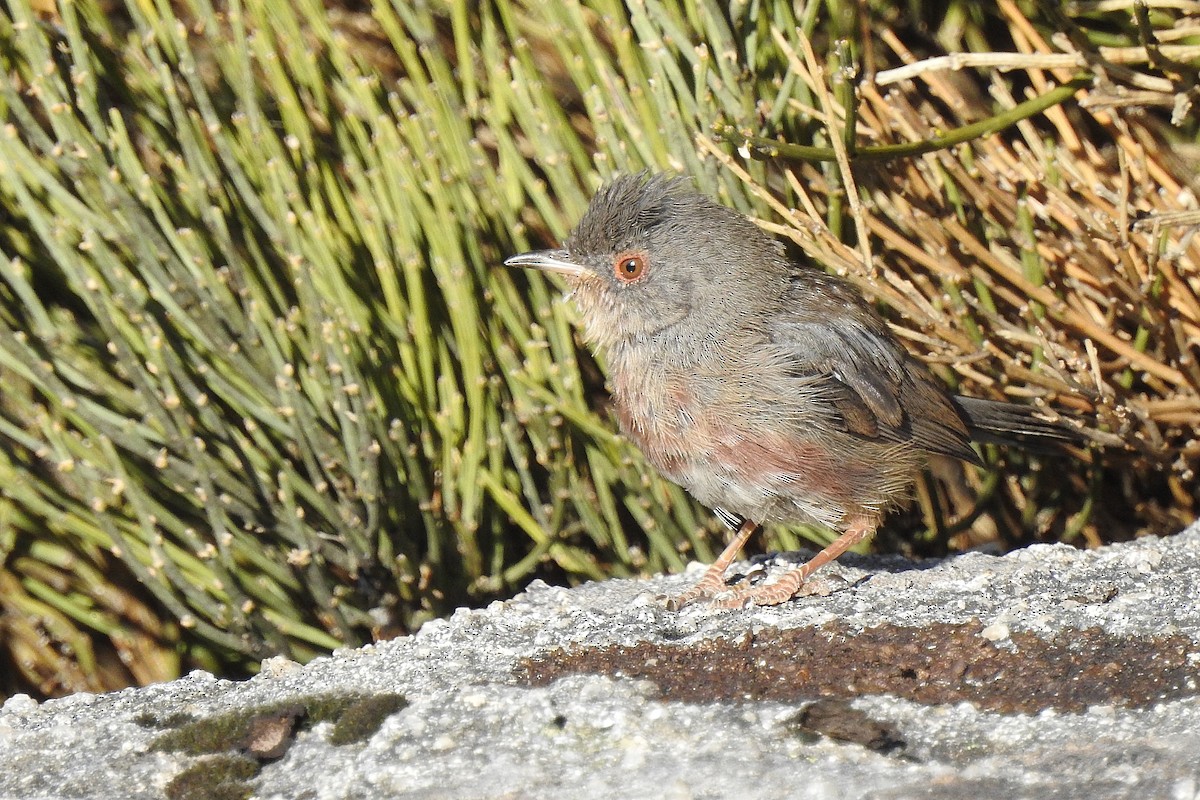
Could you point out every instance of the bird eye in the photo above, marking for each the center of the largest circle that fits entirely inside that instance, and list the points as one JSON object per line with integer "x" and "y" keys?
{"x": 628, "y": 266}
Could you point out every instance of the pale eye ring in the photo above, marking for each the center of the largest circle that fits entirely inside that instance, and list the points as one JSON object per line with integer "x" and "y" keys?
{"x": 630, "y": 265}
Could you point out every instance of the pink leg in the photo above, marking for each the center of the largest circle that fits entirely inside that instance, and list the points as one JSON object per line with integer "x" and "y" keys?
{"x": 788, "y": 585}
{"x": 713, "y": 580}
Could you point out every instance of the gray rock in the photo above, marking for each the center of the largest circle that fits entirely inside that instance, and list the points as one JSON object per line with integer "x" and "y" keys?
{"x": 1047, "y": 673}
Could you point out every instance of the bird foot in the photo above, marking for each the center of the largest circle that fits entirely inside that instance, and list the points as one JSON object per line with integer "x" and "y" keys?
{"x": 771, "y": 594}
{"x": 708, "y": 587}
{"x": 792, "y": 585}
{"x": 795, "y": 583}
{"x": 712, "y": 582}
{"x": 714, "y": 587}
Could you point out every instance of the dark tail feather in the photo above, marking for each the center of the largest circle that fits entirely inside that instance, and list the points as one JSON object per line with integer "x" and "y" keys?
{"x": 1027, "y": 427}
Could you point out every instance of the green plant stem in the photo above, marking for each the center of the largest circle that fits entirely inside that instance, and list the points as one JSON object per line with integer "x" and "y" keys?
{"x": 763, "y": 148}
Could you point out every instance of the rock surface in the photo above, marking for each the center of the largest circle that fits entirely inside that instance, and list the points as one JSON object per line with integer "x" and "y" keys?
{"x": 1047, "y": 673}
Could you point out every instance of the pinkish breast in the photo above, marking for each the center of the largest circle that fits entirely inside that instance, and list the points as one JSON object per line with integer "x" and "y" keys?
{"x": 761, "y": 468}
{"x": 659, "y": 416}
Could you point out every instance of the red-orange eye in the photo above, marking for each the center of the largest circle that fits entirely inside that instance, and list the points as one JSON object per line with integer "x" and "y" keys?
{"x": 628, "y": 267}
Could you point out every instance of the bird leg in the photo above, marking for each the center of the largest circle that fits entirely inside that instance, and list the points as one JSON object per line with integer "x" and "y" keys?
{"x": 788, "y": 585}
{"x": 713, "y": 581}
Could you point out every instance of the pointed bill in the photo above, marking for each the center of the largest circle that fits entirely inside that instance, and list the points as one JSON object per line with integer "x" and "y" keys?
{"x": 547, "y": 261}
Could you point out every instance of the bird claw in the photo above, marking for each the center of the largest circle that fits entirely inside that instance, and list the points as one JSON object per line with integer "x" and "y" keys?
{"x": 674, "y": 602}
{"x": 728, "y": 596}
{"x": 738, "y": 600}
{"x": 678, "y": 601}
{"x": 708, "y": 587}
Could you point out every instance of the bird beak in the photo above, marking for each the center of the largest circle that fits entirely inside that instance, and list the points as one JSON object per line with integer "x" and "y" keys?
{"x": 547, "y": 261}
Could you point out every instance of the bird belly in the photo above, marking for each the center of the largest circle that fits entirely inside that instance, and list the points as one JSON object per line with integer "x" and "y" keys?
{"x": 760, "y": 471}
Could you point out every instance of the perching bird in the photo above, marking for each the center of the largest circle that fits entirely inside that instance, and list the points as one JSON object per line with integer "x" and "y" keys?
{"x": 768, "y": 389}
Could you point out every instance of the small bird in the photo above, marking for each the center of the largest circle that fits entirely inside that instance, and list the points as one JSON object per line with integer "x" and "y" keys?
{"x": 768, "y": 389}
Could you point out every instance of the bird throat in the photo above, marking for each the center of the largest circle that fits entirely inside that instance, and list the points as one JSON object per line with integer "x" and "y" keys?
{"x": 611, "y": 322}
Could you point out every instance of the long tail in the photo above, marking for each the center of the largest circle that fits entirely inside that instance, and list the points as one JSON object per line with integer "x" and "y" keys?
{"x": 1027, "y": 427}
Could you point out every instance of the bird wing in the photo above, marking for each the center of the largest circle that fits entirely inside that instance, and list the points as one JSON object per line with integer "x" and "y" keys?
{"x": 875, "y": 386}
{"x": 865, "y": 377}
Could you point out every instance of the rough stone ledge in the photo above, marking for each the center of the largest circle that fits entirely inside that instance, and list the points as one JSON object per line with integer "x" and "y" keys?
{"x": 1047, "y": 673}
